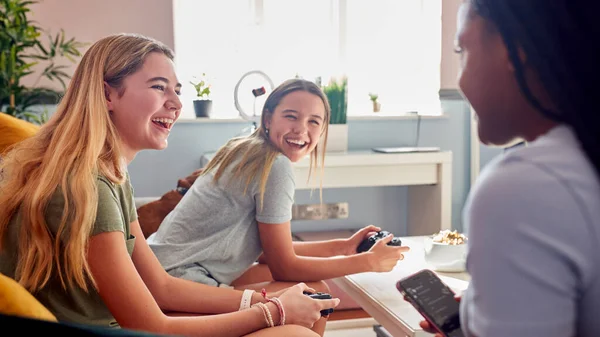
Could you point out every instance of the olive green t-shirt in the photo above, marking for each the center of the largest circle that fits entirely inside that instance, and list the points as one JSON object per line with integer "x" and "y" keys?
{"x": 116, "y": 210}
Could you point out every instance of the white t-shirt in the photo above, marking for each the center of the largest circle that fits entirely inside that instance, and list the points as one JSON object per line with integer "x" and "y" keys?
{"x": 533, "y": 221}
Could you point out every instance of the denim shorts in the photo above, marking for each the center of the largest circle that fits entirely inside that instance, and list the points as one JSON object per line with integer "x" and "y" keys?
{"x": 195, "y": 272}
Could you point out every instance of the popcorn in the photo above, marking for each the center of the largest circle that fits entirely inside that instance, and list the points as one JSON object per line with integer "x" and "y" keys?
{"x": 449, "y": 237}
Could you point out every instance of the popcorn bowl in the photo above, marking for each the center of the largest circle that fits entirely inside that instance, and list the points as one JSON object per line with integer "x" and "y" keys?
{"x": 446, "y": 251}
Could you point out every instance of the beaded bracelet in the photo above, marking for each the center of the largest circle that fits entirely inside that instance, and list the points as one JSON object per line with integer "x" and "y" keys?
{"x": 280, "y": 308}
{"x": 271, "y": 324}
{"x": 266, "y": 313}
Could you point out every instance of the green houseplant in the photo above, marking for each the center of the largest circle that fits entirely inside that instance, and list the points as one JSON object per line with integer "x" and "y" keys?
{"x": 202, "y": 103}
{"x": 337, "y": 95}
{"x": 376, "y": 105}
{"x": 21, "y": 48}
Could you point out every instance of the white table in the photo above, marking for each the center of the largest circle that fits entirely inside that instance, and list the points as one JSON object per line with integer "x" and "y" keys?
{"x": 376, "y": 293}
{"x": 427, "y": 175}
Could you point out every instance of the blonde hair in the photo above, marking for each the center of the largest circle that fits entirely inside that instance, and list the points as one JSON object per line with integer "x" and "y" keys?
{"x": 256, "y": 151}
{"x": 69, "y": 152}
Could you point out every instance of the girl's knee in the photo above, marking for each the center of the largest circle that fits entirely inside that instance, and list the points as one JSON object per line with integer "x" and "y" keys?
{"x": 299, "y": 331}
{"x": 320, "y": 286}
{"x": 286, "y": 330}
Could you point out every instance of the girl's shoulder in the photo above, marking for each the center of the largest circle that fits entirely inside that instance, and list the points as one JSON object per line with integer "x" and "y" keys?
{"x": 543, "y": 185}
{"x": 282, "y": 159}
{"x": 282, "y": 164}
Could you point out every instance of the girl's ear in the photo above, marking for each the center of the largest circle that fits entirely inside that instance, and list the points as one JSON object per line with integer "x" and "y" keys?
{"x": 268, "y": 117}
{"x": 108, "y": 92}
{"x": 522, "y": 57}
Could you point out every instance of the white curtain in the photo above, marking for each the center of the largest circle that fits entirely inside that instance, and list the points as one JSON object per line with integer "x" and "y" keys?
{"x": 389, "y": 47}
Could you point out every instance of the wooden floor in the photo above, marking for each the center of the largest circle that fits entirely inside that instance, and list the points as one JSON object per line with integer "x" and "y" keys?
{"x": 348, "y": 314}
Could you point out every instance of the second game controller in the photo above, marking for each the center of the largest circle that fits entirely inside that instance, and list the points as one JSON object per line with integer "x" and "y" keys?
{"x": 321, "y": 296}
{"x": 371, "y": 240}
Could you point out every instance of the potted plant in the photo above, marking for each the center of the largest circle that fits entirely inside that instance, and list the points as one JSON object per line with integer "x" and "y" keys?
{"x": 376, "y": 105}
{"x": 202, "y": 103}
{"x": 337, "y": 95}
{"x": 21, "y": 49}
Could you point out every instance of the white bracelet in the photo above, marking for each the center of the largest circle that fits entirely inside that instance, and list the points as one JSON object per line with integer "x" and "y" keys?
{"x": 246, "y": 299}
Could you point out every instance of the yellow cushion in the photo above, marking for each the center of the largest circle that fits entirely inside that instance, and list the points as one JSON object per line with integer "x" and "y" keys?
{"x": 17, "y": 301}
{"x": 14, "y": 130}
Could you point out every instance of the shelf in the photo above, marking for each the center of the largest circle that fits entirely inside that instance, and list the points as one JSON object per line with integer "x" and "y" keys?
{"x": 373, "y": 117}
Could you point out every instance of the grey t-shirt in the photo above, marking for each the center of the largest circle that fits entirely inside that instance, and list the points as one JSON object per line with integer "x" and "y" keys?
{"x": 533, "y": 222}
{"x": 215, "y": 225}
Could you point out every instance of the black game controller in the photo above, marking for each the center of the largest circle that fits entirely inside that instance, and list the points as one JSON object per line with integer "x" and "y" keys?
{"x": 371, "y": 240}
{"x": 320, "y": 296}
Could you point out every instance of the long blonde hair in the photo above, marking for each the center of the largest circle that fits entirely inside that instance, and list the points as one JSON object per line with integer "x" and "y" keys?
{"x": 256, "y": 150}
{"x": 67, "y": 154}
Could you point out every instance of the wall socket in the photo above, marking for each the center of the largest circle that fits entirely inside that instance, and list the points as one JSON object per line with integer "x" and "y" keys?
{"x": 320, "y": 211}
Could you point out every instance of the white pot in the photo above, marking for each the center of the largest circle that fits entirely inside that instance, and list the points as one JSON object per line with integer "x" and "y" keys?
{"x": 337, "y": 140}
{"x": 445, "y": 257}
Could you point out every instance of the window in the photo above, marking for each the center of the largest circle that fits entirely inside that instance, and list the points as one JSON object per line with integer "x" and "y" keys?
{"x": 389, "y": 47}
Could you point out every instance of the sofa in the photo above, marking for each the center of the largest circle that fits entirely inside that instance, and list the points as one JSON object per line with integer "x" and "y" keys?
{"x": 22, "y": 312}
{"x": 14, "y": 130}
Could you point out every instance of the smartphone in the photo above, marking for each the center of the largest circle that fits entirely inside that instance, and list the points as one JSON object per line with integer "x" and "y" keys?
{"x": 434, "y": 300}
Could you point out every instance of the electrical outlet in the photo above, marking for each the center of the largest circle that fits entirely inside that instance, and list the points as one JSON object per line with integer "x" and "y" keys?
{"x": 320, "y": 211}
{"x": 337, "y": 211}
{"x": 307, "y": 212}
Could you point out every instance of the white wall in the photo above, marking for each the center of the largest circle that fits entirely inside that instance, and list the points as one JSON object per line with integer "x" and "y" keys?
{"x": 90, "y": 20}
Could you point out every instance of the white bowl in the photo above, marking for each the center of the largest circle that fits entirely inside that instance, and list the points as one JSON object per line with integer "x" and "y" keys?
{"x": 445, "y": 257}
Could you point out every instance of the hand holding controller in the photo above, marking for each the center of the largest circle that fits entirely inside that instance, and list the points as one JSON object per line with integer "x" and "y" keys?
{"x": 371, "y": 240}
{"x": 320, "y": 296}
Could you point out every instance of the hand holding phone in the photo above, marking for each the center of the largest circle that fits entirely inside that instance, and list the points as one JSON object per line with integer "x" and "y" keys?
{"x": 434, "y": 300}
{"x": 424, "y": 324}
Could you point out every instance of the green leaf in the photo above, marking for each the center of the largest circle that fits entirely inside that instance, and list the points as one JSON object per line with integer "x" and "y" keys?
{"x": 55, "y": 43}
{"x": 41, "y": 47}
{"x": 204, "y": 92}
{"x": 62, "y": 37}
{"x": 37, "y": 57}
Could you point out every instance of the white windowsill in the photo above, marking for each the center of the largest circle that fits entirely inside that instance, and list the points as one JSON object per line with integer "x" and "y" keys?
{"x": 373, "y": 117}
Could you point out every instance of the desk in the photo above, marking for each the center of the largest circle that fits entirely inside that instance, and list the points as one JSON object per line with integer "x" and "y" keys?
{"x": 376, "y": 293}
{"x": 427, "y": 175}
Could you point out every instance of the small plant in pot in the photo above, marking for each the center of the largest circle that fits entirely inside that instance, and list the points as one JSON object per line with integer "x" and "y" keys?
{"x": 202, "y": 103}
{"x": 376, "y": 105}
{"x": 337, "y": 94}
